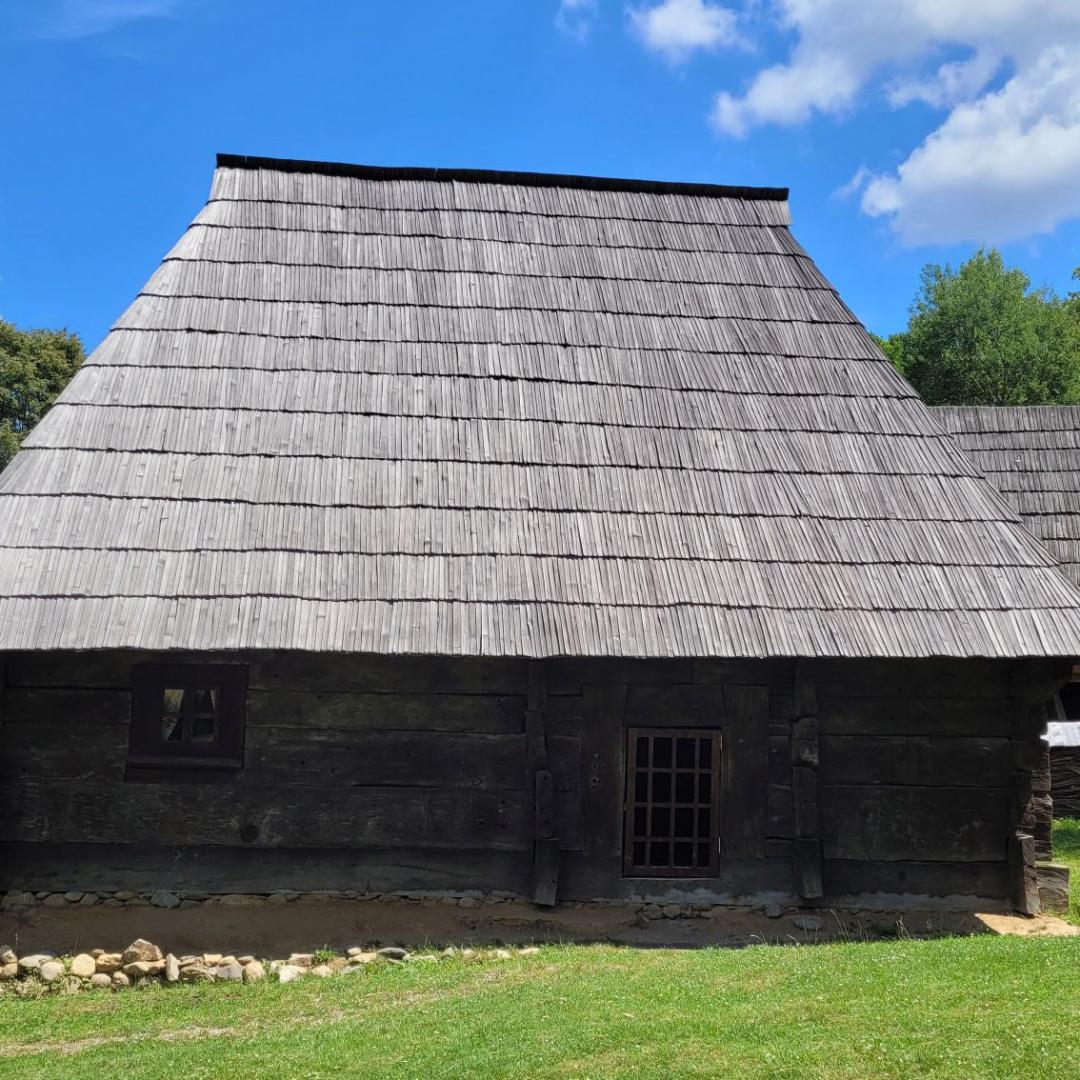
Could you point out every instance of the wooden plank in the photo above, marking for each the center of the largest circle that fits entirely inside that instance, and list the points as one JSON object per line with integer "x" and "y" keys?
{"x": 780, "y": 759}
{"x": 744, "y": 773}
{"x": 357, "y": 710}
{"x": 804, "y": 791}
{"x": 221, "y": 814}
{"x": 318, "y": 758}
{"x": 807, "y": 868}
{"x": 1024, "y": 874}
{"x": 913, "y": 715}
{"x": 960, "y": 761}
{"x": 602, "y": 748}
{"x": 544, "y": 887}
{"x": 918, "y": 824}
{"x": 781, "y": 819}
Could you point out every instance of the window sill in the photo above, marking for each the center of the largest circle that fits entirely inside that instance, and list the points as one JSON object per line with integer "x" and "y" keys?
{"x": 182, "y": 770}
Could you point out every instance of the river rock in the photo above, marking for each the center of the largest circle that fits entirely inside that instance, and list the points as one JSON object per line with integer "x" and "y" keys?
{"x": 322, "y": 971}
{"x": 230, "y": 972}
{"x": 51, "y": 970}
{"x": 254, "y": 972}
{"x": 15, "y": 900}
{"x": 137, "y": 968}
{"x": 163, "y": 899}
{"x": 8, "y": 955}
{"x": 393, "y": 952}
{"x": 33, "y": 961}
{"x": 120, "y": 980}
{"x": 196, "y": 973}
{"x": 83, "y": 965}
{"x": 54, "y": 900}
{"x": 8, "y": 971}
{"x": 289, "y": 973}
{"x": 172, "y": 969}
{"x": 141, "y": 950}
{"x": 100, "y": 981}
{"x": 109, "y": 962}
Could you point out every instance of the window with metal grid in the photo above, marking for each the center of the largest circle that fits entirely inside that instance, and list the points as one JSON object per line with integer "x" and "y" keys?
{"x": 672, "y": 826}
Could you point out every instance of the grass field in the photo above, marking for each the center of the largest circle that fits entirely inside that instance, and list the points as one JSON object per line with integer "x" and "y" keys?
{"x": 965, "y": 1008}
{"x": 1067, "y": 850}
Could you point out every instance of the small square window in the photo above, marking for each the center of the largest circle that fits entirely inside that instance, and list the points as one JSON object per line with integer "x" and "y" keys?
{"x": 187, "y": 716}
{"x": 672, "y": 803}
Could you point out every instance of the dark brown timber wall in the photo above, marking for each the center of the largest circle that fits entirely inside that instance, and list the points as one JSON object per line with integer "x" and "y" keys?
{"x": 840, "y": 779}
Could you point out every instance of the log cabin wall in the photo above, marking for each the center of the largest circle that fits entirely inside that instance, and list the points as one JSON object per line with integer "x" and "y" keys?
{"x": 861, "y": 781}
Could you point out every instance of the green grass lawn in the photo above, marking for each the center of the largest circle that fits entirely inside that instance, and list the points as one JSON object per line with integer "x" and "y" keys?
{"x": 965, "y": 1008}
{"x": 1067, "y": 851}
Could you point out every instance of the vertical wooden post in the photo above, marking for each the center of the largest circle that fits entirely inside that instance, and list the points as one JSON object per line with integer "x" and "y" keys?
{"x": 1025, "y": 876}
{"x": 806, "y": 856}
{"x": 545, "y": 873}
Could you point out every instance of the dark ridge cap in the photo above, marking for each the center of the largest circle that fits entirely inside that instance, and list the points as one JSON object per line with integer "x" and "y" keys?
{"x": 494, "y": 176}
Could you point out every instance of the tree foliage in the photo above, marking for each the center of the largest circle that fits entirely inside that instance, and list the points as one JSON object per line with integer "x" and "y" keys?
{"x": 980, "y": 335}
{"x": 35, "y": 365}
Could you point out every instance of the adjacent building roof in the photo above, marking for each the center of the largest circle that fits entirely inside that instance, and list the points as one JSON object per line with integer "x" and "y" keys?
{"x": 417, "y": 411}
{"x": 1031, "y": 454}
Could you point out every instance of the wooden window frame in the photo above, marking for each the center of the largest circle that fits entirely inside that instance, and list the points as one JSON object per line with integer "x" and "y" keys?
{"x": 148, "y": 752}
{"x": 630, "y": 803}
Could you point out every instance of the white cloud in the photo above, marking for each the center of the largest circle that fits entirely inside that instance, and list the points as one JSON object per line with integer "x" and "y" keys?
{"x": 575, "y": 17}
{"x": 83, "y": 18}
{"x": 675, "y": 28}
{"x": 1000, "y": 166}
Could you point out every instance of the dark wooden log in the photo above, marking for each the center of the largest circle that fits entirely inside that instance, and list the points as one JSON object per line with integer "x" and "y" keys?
{"x": 317, "y": 757}
{"x": 896, "y": 879}
{"x": 675, "y": 705}
{"x": 239, "y": 813}
{"x": 912, "y": 715}
{"x": 962, "y": 761}
{"x": 358, "y": 711}
{"x": 744, "y": 773}
{"x": 915, "y": 824}
{"x": 212, "y": 869}
{"x": 899, "y": 679}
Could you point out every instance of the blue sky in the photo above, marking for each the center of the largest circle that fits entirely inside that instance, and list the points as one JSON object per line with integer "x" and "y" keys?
{"x": 908, "y": 131}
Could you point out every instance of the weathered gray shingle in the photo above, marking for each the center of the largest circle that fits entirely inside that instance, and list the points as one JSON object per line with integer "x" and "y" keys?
{"x": 1032, "y": 456}
{"x": 398, "y": 411}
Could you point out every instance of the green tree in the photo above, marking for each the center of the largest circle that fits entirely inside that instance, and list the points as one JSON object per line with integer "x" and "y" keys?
{"x": 35, "y": 365}
{"x": 980, "y": 335}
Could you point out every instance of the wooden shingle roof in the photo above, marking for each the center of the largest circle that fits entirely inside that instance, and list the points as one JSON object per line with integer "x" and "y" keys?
{"x": 415, "y": 411}
{"x": 1031, "y": 454}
